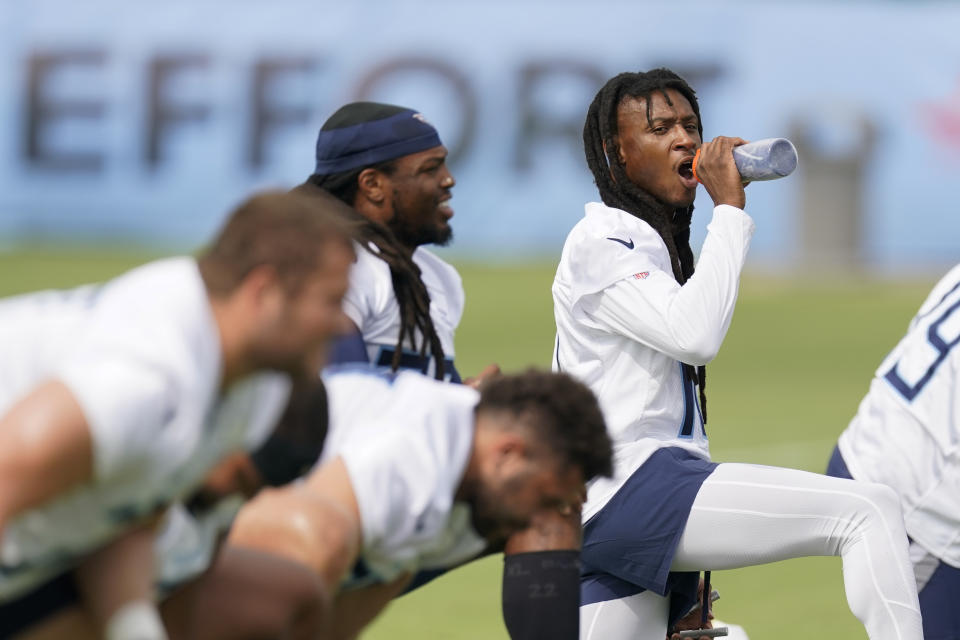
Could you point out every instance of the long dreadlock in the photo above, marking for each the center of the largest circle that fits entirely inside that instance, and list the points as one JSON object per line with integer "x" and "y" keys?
{"x": 411, "y": 293}
{"x": 601, "y": 145}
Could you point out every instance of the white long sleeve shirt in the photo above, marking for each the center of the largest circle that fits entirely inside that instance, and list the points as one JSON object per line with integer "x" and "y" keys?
{"x": 624, "y": 326}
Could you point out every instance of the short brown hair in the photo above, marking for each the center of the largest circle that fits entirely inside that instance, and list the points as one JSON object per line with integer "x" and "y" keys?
{"x": 285, "y": 231}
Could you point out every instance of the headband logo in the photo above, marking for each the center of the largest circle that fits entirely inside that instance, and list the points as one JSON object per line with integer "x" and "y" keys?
{"x": 419, "y": 116}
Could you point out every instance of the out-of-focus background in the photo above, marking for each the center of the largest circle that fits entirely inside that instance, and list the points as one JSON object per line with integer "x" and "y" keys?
{"x": 128, "y": 129}
{"x": 141, "y": 122}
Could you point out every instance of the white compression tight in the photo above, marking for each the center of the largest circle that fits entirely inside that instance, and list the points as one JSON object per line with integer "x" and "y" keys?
{"x": 748, "y": 514}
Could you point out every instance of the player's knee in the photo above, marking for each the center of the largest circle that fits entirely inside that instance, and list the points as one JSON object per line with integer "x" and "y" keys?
{"x": 879, "y": 506}
{"x": 887, "y": 501}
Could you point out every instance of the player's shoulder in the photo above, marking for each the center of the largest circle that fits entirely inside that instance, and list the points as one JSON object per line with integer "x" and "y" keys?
{"x": 370, "y": 397}
{"x": 154, "y": 327}
{"x": 371, "y": 286}
{"x": 949, "y": 282}
{"x": 947, "y": 286}
{"x": 369, "y": 260}
{"x": 429, "y": 261}
{"x": 603, "y": 228}
{"x": 162, "y": 274}
{"x": 164, "y": 293}
{"x": 605, "y": 246}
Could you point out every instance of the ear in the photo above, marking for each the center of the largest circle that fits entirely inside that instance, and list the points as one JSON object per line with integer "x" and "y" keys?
{"x": 371, "y": 185}
{"x": 616, "y": 141}
{"x": 374, "y": 196}
{"x": 262, "y": 289}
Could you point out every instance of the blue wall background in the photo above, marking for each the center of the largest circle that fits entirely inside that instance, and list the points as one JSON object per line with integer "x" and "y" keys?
{"x": 145, "y": 122}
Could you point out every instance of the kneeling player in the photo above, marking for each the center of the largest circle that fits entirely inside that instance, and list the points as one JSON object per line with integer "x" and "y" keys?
{"x": 421, "y": 475}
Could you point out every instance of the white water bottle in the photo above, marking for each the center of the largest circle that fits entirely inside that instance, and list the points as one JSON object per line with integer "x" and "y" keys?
{"x": 766, "y": 159}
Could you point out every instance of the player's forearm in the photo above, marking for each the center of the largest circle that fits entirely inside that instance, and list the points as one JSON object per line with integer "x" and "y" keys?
{"x": 116, "y": 586}
{"x": 119, "y": 573}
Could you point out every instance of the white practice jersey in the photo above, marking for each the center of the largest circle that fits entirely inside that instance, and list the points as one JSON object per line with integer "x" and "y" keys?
{"x": 141, "y": 354}
{"x": 624, "y": 326}
{"x": 405, "y": 440}
{"x": 372, "y": 305}
{"x": 906, "y": 433}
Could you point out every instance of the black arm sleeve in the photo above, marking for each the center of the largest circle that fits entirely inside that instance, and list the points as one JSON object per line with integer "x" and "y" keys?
{"x": 541, "y": 595}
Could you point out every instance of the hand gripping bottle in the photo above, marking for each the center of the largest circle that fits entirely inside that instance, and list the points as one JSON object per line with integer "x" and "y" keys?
{"x": 766, "y": 159}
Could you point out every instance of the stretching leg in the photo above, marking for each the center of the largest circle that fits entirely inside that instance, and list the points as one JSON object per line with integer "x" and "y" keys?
{"x": 642, "y": 616}
{"x": 748, "y": 514}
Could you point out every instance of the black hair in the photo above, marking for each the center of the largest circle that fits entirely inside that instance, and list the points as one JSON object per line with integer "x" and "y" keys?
{"x": 411, "y": 293}
{"x": 601, "y": 145}
{"x": 563, "y": 412}
{"x": 297, "y": 441}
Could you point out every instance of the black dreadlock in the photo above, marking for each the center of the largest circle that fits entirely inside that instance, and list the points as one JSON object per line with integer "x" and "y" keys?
{"x": 601, "y": 145}
{"x": 411, "y": 294}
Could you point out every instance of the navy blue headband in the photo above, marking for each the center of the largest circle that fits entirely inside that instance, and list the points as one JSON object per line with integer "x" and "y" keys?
{"x": 366, "y": 143}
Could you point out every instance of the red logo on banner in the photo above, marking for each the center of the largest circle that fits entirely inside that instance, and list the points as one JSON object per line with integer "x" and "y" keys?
{"x": 642, "y": 275}
{"x": 943, "y": 119}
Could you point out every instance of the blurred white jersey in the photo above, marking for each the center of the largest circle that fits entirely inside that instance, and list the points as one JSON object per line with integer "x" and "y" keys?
{"x": 187, "y": 542}
{"x": 406, "y": 440}
{"x": 906, "y": 433}
{"x": 624, "y": 326}
{"x": 141, "y": 354}
{"x": 372, "y": 305}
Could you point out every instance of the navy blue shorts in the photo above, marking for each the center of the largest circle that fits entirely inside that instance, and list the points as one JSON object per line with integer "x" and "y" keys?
{"x": 628, "y": 546}
{"x": 939, "y": 597}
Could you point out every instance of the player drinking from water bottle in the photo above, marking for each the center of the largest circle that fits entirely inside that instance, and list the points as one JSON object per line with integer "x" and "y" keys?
{"x": 637, "y": 323}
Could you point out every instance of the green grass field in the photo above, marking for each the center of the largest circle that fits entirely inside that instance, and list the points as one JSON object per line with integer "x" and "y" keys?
{"x": 797, "y": 360}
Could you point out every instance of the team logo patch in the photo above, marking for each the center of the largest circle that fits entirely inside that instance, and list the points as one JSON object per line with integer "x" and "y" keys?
{"x": 642, "y": 275}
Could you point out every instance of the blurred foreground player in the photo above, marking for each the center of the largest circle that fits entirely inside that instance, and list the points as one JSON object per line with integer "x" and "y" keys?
{"x": 117, "y": 400}
{"x": 419, "y": 475}
{"x": 207, "y": 590}
{"x": 906, "y": 435}
{"x": 637, "y": 324}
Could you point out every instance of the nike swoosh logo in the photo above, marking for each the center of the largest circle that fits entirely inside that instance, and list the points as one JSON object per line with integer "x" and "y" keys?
{"x": 628, "y": 245}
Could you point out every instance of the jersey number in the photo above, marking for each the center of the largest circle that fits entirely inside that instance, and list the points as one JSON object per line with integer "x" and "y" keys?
{"x": 941, "y": 344}
{"x": 691, "y": 407}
